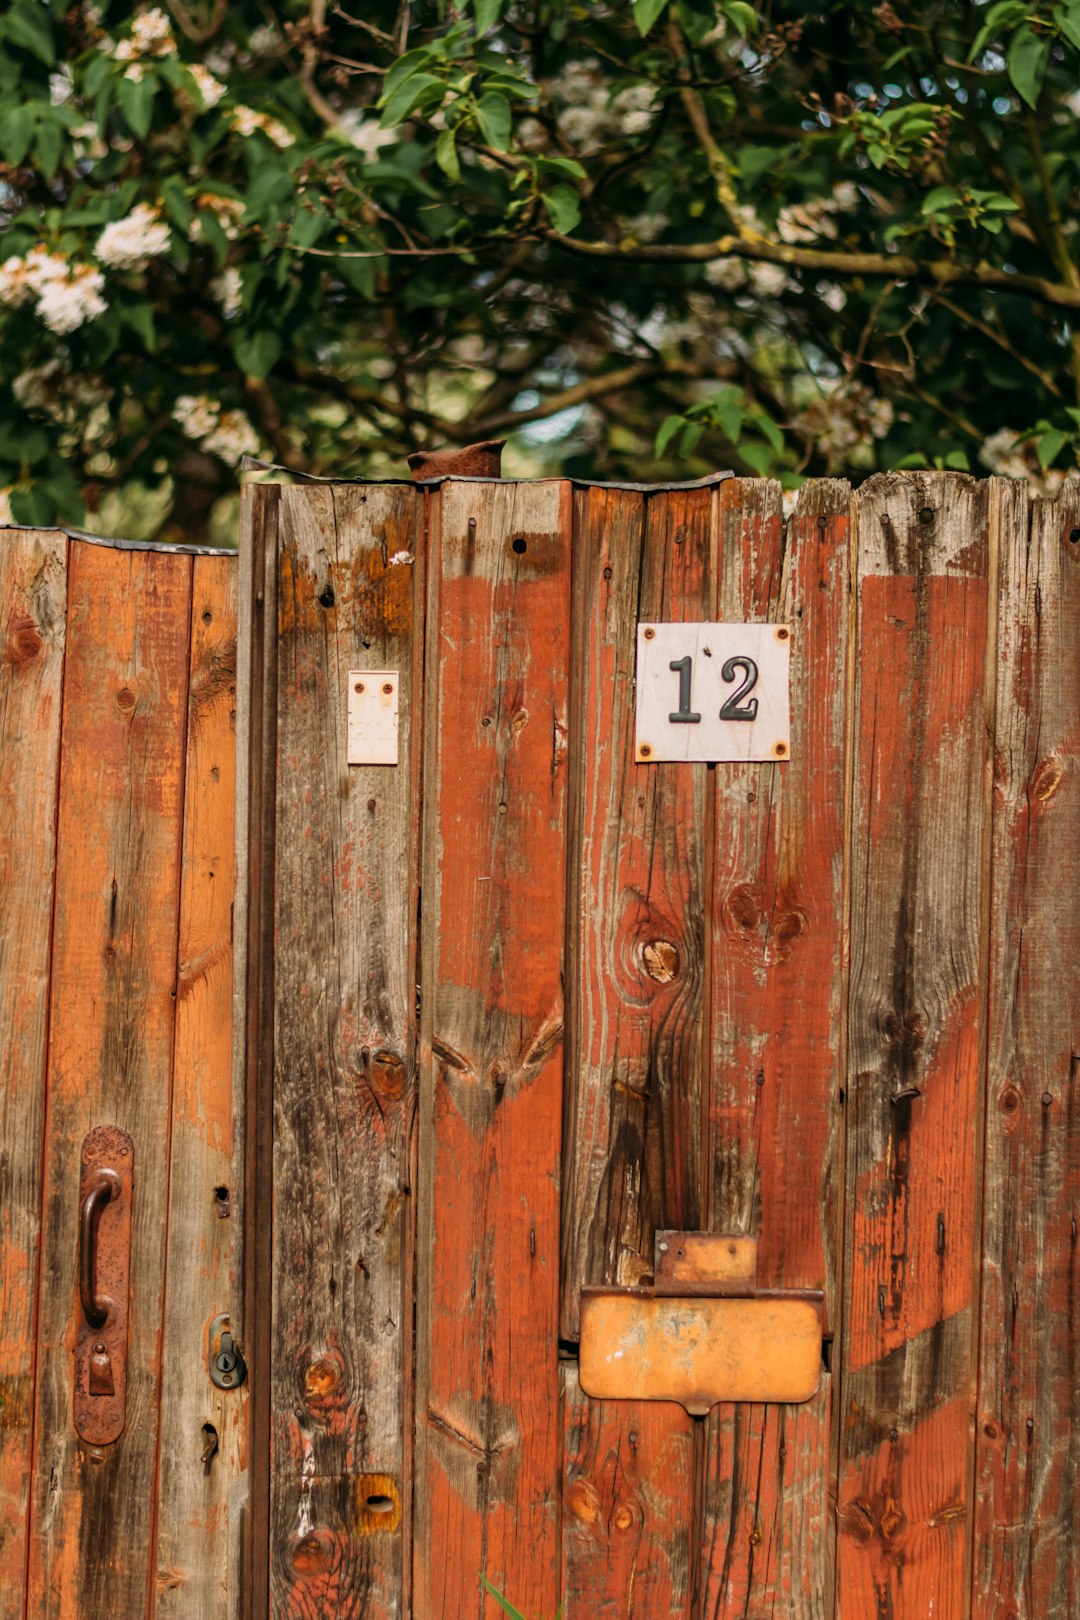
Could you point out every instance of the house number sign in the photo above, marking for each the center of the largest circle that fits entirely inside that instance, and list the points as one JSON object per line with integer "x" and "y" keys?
{"x": 713, "y": 692}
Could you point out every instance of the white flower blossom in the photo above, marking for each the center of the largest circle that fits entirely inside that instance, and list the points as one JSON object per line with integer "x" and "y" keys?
{"x": 33, "y": 388}
{"x": 246, "y": 121}
{"x": 843, "y": 421}
{"x": 845, "y": 195}
{"x": 227, "y": 434}
{"x": 226, "y": 288}
{"x": 5, "y": 505}
{"x": 768, "y": 280}
{"x": 589, "y": 116}
{"x": 135, "y": 71}
{"x": 227, "y": 211}
{"x": 730, "y": 274}
{"x": 61, "y": 86}
{"x": 65, "y": 305}
{"x": 1003, "y": 455}
{"x": 264, "y": 40}
{"x": 832, "y": 295}
{"x": 806, "y": 221}
{"x": 128, "y": 243}
{"x": 151, "y": 35}
{"x": 789, "y": 500}
{"x": 210, "y": 89}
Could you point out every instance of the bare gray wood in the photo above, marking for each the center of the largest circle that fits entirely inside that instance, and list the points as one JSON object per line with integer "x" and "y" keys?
{"x": 33, "y": 596}
{"x": 1027, "y": 1481}
{"x": 344, "y": 1058}
{"x": 204, "y": 1442}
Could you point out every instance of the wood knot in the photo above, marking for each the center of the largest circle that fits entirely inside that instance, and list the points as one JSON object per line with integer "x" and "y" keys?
{"x": 661, "y": 959}
{"x": 386, "y": 1072}
{"x": 311, "y": 1555}
{"x": 125, "y": 699}
{"x": 321, "y": 1379}
{"x": 1010, "y": 1100}
{"x": 743, "y": 911}
{"x": 788, "y": 926}
{"x": 24, "y": 640}
{"x": 583, "y": 1501}
{"x": 1046, "y": 778}
{"x": 623, "y": 1516}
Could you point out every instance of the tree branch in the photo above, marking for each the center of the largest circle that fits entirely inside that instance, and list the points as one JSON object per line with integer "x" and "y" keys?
{"x": 893, "y": 266}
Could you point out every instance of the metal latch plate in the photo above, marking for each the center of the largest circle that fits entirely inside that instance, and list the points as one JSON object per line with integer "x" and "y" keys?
{"x": 373, "y": 716}
{"x": 698, "y": 1351}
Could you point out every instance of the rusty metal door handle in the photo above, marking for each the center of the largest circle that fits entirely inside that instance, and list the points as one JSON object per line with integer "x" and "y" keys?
{"x": 106, "y": 1193}
{"x": 104, "y": 1184}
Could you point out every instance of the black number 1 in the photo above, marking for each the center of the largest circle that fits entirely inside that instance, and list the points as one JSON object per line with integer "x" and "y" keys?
{"x": 683, "y": 668}
{"x": 731, "y": 709}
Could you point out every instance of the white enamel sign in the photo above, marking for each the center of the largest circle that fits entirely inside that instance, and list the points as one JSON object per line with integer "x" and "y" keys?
{"x": 373, "y": 716}
{"x": 713, "y": 692}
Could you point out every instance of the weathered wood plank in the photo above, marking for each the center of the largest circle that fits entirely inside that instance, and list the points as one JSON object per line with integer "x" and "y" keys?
{"x": 203, "y": 1429}
{"x": 628, "y": 1490}
{"x": 488, "y": 1444}
{"x": 344, "y": 1056}
{"x": 1027, "y": 1479}
{"x": 110, "y": 1048}
{"x": 253, "y": 1007}
{"x": 633, "y": 1139}
{"x": 915, "y": 1044}
{"x": 778, "y": 953}
{"x": 33, "y": 597}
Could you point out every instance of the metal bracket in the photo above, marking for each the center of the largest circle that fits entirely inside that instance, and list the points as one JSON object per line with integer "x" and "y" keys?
{"x": 703, "y": 1333}
{"x": 224, "y": 1359}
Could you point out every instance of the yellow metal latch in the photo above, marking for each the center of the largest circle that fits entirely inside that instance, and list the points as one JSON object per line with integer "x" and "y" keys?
{"x": 703, "y": 1332}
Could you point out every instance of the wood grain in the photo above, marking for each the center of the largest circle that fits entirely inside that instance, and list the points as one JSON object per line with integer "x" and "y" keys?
{"x": 487, "y": 1441}
{"x": 634, "y": 1116}
{"x": 628, "y": 1487}
{"x": 915, "y": 1052}
{"x": 777, "y": 995}
{"x": 344, "y": 1056}
{"x": 112, "y": 1004}
{"x": 203, "y": 1429}
{"x": 1027, "y": 1480}
{"x": 33, "y": 593}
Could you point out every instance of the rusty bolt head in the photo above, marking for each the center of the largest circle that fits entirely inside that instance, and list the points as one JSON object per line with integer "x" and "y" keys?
{"x": 648, "y": 632}
{"x": 645, "y": 751}
{"x": 783, "y": 633}
{"x": 359, "y": 687}
{"x": 388, "y": 687}
{"x": 780, "y": 749}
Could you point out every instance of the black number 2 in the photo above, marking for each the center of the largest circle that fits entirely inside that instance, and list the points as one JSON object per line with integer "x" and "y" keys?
{"x": 731, "y": 709}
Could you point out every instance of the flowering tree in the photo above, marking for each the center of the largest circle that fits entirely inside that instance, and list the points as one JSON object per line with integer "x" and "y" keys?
{"x": 642, "y": 236}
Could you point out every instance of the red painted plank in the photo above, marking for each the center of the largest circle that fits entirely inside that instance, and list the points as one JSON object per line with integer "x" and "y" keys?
{"x": 487, "y": 1443}
{"x": 778, "y": 960}
{"x": 915, "y": 1045}
{"x": 33, "y": 592}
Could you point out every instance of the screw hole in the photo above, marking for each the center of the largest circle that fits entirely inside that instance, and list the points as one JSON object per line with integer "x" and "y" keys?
{"x": 926, "y": 514}
{"x": 519, "y": 544}
{"x": 327, "y": 597}
{"x": 380, "y": 1504}
{"x": 1074, "y": 537}
{"x": 221, "y": 1199}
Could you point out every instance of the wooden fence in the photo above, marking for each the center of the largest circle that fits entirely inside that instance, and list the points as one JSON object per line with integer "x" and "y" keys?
{"x": 505, "y": 1010}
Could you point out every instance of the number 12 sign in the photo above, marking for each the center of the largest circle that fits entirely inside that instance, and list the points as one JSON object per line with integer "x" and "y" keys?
{"x": 713, "y": 692}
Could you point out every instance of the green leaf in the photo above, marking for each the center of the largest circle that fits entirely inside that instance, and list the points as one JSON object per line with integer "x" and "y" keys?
{"x": 16, "y": 132}
{"x": 742, "y": 17}
{"x": 140, "y": 317}
{"x": 486, "y": 13}
{"x": 668, "y": 429}
{"x": 176, "y": 204}
{"x": 256, "y": 352}
{"x": 1027, "y": 63}
{"x": 769, "y": 428}
{"x": 507, "y": 1607}
{"x": 563, "y": 208}
{"x": 49, "y": 147}
{"x": 493, "y": 116}
{"x": 446, "y": 155}
{"x": 647, "y": 13}
{"x": 562, "y": 165}
{"x": 999, "y": 18}
{"x": 1068, "y": 20}
{"x": 405, "y": 100}
{"x": 941, "y": 198}
{"x": 33, "y": 507}
{"x": 758, "y": 457}
{"x": 137, "y": 103}
{"x": 1049, "y": 445}
{"x": 27, "y": 24}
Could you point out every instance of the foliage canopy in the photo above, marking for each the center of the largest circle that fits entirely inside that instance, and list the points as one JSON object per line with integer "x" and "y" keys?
{"x": 648, "y": 239}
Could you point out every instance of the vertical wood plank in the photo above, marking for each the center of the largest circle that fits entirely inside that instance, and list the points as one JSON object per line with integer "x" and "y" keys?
{"x": 915, "y": 1053}
{"x": 110, "y": 1048}
{"x": 1027, "y": 1495}
{"x": 343, "y": 1057}
{"x": 633, "y": 1139}
{"x": 487, "y": 1442}
{"x": 253, "y": 1008}
{"x": 778, "y": 957}
{"x": 203, "y": 1429}
{"x": 33, "y": 596}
